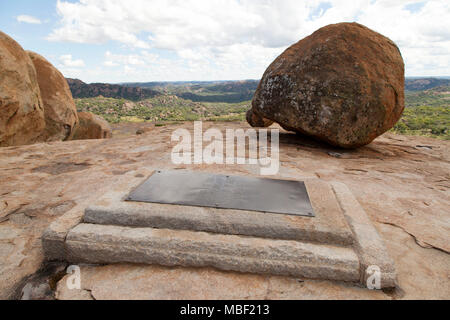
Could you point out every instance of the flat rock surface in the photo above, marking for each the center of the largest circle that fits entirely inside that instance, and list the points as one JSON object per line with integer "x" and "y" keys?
{"x": 144, "y": 282}
{"x": 402, "y": 183}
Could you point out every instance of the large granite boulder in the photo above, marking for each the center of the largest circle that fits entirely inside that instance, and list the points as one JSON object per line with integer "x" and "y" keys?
{"x": 21, "y": 108}
{"x": 91, "y": 126}
{"x": 59, "y": 108}
{"x": 344, "y": 84}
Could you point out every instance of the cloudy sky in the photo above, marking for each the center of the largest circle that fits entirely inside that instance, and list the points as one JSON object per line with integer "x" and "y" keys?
{"x": 171, "y": 40}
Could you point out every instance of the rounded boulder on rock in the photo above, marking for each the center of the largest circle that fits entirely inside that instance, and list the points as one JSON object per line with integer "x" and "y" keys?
{"x": 344, "y": 85}
{"x": 21, "y": 108}
{"x": 59, "y": 108}
{"x": 91, "y": 126}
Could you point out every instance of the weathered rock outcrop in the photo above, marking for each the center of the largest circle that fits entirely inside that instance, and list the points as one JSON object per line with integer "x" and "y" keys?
{"x": 255, "y": 120}
{"x": 59, "y": 108}
{"x": 344, "y": 84}
{"x": 91, "y": 126}
{"x": 21, "y": 108}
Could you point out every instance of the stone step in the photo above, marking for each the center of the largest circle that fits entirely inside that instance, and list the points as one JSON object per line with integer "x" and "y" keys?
{"x": 103, "y": 244}
{"x": 327, "y": 227}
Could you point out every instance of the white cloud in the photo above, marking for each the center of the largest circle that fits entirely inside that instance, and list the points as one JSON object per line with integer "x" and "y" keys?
{"x": 28, "y": 19}
{"x": 217, "y": 39}
{"x": 110, "y": 63}
{"x": 67, "y": 61}
{"x": 114, "y": 60}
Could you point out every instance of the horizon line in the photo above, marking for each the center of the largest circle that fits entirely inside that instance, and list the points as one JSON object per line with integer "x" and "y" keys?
{"x": 206, "y": 81}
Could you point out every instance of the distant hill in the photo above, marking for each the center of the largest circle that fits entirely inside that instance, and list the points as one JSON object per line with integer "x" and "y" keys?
{"x": 420, "y": 84}
{"x": 234, "y": 91}
{"x": 205, "y": 91}
{"x": 165, "y": 84}
{"x": 208, "y": 91}
{"x": 444, "y": 88}
{"x": 202, "y": 84}
{"x": 83, "y": 90}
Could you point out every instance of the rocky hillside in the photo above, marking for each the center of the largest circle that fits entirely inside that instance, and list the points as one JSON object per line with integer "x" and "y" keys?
{"x": 83, "y": 90}
{"x": 205, "y": 91}
{"x": 212, "y": 86}
{"x": 214, "y": 91}
{"x": 419, "y": 84}
{"x": 229, "y": 91}
{"x": 164, "y": 107}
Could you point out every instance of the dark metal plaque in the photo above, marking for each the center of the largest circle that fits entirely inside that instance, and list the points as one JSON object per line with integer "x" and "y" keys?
{"x": 201, "y": 189}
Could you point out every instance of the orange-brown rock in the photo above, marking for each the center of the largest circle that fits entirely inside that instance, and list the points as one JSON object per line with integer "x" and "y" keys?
{"x": 59, "y": 108}
{"x": 255, "y": 120}
{"x": 400, "y": 181}
{"x": 344, "y": 84}
{"x": 91, "y": 126}
{"x": 21, "y": 108}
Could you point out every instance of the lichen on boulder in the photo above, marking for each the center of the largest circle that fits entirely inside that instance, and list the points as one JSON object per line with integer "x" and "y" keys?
{"x": 344, "y": 85}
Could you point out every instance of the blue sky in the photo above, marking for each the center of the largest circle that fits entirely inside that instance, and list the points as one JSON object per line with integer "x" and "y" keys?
{"x": 155, "y": 40}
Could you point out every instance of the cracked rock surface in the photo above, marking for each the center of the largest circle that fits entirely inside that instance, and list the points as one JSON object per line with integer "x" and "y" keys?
{"x": 402, "y": 182}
